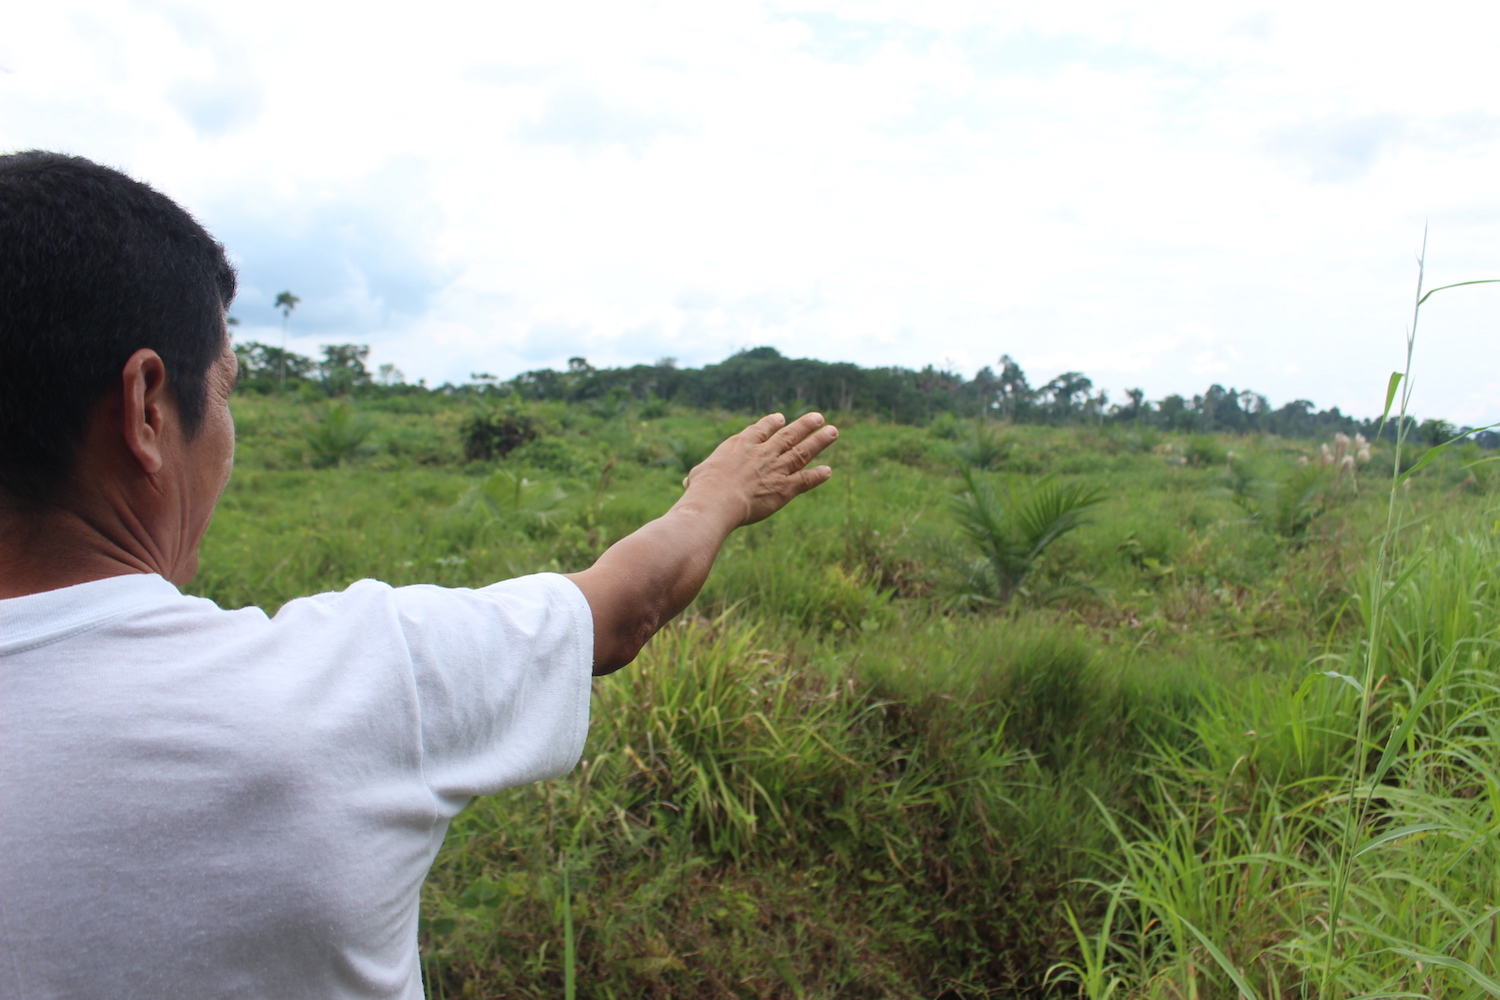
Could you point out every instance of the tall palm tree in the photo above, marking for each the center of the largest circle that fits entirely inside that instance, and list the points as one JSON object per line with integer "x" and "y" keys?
{"x": 1065, "y": 387}
{"x": 1014, "y": 389}
{"x": 286, "y": 302}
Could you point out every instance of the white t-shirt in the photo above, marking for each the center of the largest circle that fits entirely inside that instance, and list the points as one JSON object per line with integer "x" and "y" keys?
{"x": 202, "y": 803}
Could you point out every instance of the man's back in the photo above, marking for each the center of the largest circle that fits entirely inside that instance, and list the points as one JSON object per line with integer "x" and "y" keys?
{"x": 196, "y": 802}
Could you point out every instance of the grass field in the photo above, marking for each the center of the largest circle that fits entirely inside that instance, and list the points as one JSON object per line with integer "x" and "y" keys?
{"x": 1210, "y": 746}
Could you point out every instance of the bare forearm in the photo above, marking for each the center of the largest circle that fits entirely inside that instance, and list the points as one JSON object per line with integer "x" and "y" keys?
{"x": 645, "y": 580}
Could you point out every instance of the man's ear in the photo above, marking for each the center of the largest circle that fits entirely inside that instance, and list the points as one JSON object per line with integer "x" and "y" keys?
{"x": 145, "y": 408}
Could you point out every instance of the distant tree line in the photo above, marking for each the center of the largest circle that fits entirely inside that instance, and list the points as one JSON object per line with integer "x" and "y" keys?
{"x": 761, "y": 379}
{"x": 341, "y": 371}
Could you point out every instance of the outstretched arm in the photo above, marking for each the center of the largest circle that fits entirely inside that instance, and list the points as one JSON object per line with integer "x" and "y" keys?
{"x": 646, "y": 578}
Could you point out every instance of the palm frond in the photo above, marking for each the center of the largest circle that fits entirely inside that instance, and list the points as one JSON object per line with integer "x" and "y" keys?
{"x": 1297, "y": 499}
{"x": 985, "y": 520}
{"x": 1012, "y": 535}
{"x": 979, "y": 512}
{"x": 1052, "y": 510}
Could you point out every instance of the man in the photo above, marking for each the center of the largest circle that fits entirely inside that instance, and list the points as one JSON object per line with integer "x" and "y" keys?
{"x": 203, "y": 803}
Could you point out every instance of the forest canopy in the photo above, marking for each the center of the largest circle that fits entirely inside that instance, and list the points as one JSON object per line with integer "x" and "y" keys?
{"x": 762, "y": 379}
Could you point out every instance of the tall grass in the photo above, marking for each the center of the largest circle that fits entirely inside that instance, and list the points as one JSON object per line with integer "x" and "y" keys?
{"x": 1345, "y": 844}
{"x": 715, "y": 747}
{"x": 1232, "y": 876}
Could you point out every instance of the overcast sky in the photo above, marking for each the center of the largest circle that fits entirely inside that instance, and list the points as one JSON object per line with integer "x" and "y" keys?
{"x": 1161, "y": 195}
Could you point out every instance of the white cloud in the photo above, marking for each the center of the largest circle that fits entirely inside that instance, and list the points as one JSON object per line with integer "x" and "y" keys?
{"x": 1085, "y": 186}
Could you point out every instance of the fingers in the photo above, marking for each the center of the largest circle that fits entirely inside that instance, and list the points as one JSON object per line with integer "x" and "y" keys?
{"x": 809, "y": 479}
{"x": 810, "y": 447}
{"x": 798, "y": 429}
{"x": 762, "y": 429}
{"x": 799, "y": 441}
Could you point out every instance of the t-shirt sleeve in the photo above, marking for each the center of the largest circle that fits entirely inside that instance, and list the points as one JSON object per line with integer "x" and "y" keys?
{"x": 503, "y": 680}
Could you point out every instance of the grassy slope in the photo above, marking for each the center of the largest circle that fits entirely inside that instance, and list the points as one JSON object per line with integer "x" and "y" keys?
{"x": 840, "y": 775}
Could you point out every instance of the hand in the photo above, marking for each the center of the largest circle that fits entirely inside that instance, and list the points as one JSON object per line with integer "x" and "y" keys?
{"x": 650, "y": 575}
{"x": 758, "y": 471}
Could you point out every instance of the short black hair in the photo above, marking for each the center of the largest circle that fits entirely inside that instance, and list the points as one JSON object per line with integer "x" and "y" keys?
{"x": 94, "y": 266}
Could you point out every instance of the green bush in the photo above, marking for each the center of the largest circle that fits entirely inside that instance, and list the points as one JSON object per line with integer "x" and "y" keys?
{"x": 555, "y": 455}
{"x": 653, "y": 407}
{"x": 492, "y": 435}
{"x": 946, "y": 427}
{"x": 1202, "y": 450}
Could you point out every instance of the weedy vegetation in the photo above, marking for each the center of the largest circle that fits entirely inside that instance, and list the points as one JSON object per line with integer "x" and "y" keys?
{"x": 1004, "y": 710}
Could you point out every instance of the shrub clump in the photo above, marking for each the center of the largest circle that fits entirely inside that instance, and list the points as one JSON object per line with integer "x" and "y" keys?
{"x": 488, "y": 436}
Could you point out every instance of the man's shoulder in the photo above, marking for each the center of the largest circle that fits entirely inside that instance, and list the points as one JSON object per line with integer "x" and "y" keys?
{"x": 55, "y": 615}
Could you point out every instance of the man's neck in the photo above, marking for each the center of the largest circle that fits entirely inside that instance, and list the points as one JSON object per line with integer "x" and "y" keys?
{"x": 56, "y": 548}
